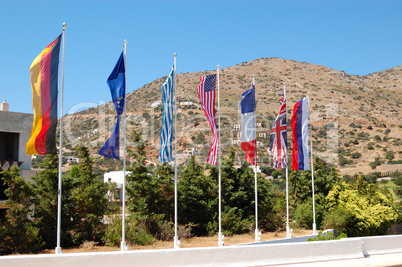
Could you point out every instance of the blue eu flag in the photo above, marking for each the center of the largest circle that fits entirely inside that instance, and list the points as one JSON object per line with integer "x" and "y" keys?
{"x": 117, "y": 86}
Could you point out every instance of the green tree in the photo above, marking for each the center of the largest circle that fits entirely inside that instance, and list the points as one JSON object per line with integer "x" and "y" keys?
{"x": 45, "y": 188}
{"x": 90, "y": 199}
{"x": 238, "y": 197}
{"x": 197, "y": 198}
{"x": 300, "y": 190}
{"x": 150, "y": 195}
{"x": 18, "y": 234}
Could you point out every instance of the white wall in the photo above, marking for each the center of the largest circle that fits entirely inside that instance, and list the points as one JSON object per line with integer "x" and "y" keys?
{"x": 115, "y": 176}
{"x": 251, "y": 255}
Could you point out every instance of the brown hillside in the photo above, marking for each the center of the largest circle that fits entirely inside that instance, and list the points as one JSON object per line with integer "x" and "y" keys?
{"x": 349, "y": 113}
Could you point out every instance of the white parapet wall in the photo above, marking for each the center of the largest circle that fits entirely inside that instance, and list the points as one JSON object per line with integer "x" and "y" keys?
{"x": 252, "y": 255}
{"x": 373, "y": 245}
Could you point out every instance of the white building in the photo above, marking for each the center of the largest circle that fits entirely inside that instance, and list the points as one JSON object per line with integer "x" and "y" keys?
{"x": 187, "y": 103}
{"x": 118, "y": 178}
{"x": 191, "y": 151}
{"x": 155, "y": 104}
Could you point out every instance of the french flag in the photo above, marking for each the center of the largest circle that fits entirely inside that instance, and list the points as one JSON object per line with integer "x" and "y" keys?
{"x": 300, "y": 153}
{"x": 248, "y": 137}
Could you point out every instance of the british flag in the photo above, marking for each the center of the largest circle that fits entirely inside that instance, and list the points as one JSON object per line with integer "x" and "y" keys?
{"x": 278, "y": 139}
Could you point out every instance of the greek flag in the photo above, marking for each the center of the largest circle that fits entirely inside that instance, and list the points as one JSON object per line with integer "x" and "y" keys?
{"x": 165, "y": 155}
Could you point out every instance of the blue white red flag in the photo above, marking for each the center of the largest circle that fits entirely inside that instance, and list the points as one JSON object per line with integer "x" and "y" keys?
{"x": 117, "y": 86}
{"x": 300, "y": 153}
{"x": 165, "y": 154}
{"x": 278, "y": 139}
{"x": 248, "y": 136}
{"x": 206, "y": 93}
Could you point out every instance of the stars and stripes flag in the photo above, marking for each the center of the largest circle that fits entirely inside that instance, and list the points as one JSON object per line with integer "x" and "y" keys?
{"x": 206, "y": 93}
{"x": 278, "y": 139}
{"x": 300, "y": 152}
{"x": 248, "y": 136}
{"x": 165, "y": 154}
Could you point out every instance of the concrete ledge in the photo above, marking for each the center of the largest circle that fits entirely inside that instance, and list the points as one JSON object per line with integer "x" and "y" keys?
{"x": 255, "y": 255}
{"x": 373, "y": 245}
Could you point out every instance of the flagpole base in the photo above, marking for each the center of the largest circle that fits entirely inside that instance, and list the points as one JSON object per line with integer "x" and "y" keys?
{"x": 288, "y": 232}
{"x": 314, "y": 228}
{"x": 57, "y": 250}
{"x": 221, "y": 239}
{"x": 123, "y": 246}
{"x": 257, "y": 235}
{"x": 177, "y": 242}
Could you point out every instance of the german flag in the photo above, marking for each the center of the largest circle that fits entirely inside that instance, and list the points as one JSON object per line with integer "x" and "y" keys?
{"x": 44, "y": 79}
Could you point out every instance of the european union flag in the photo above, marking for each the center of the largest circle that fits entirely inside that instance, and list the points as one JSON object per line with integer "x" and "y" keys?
{"x": 117, "y": 86}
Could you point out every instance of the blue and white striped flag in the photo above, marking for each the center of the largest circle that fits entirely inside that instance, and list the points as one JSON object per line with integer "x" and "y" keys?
{"x": 165, "y": 155}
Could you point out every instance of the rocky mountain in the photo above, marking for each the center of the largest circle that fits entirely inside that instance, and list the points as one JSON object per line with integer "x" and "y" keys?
{"x": 354, "y": 118}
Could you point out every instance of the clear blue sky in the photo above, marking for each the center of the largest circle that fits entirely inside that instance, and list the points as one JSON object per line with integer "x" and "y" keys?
{"x": 359, "y": 37}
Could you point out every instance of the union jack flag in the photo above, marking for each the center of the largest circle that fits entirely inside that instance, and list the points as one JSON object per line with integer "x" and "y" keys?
{"x": 278, "y": 139}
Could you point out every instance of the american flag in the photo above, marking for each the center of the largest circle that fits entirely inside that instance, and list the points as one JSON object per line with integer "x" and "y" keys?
{"x": 206, "y": 93}
{"x": 279, "y": 140}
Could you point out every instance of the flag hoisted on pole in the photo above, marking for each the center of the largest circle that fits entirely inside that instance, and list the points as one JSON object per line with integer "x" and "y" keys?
{"x": 300, "y": 153}
{"x": 206, "y": 93}
{"x": 249, "y": 141}
{"x": 165, "y": 153}
{"x": 278, "y": 149}
{"x": 111, "y": 149}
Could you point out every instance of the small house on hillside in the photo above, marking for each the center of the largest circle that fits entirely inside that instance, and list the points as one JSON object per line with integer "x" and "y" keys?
{"x": 117, "y": 178}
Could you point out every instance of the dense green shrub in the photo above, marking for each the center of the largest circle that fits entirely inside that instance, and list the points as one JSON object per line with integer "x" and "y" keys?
{"x": 112, "y": 235}
{"x": 375, "y": 163}
{"x": 304, "y": 215}
{"x": 338, "y": 218}
{"x": 398, "y": 181}
{"x": 360, "y": 209}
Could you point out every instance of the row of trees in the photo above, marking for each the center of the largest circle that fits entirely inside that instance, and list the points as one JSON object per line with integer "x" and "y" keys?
{"x": 355, "y": 207}
{"x": 30, "y": 222}
{"x": 370, "y": 211}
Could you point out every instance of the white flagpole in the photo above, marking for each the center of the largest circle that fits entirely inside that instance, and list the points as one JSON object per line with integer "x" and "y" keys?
{"x": 176, "y": 238}
{"x": 220, "y": 237}
{"x": 123, "y": 246}
{"x": 312, "y": 165}
{"x": 287, "y": 179}
{"x": 257, "y": 237}
{"x": 58, "y": 248}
